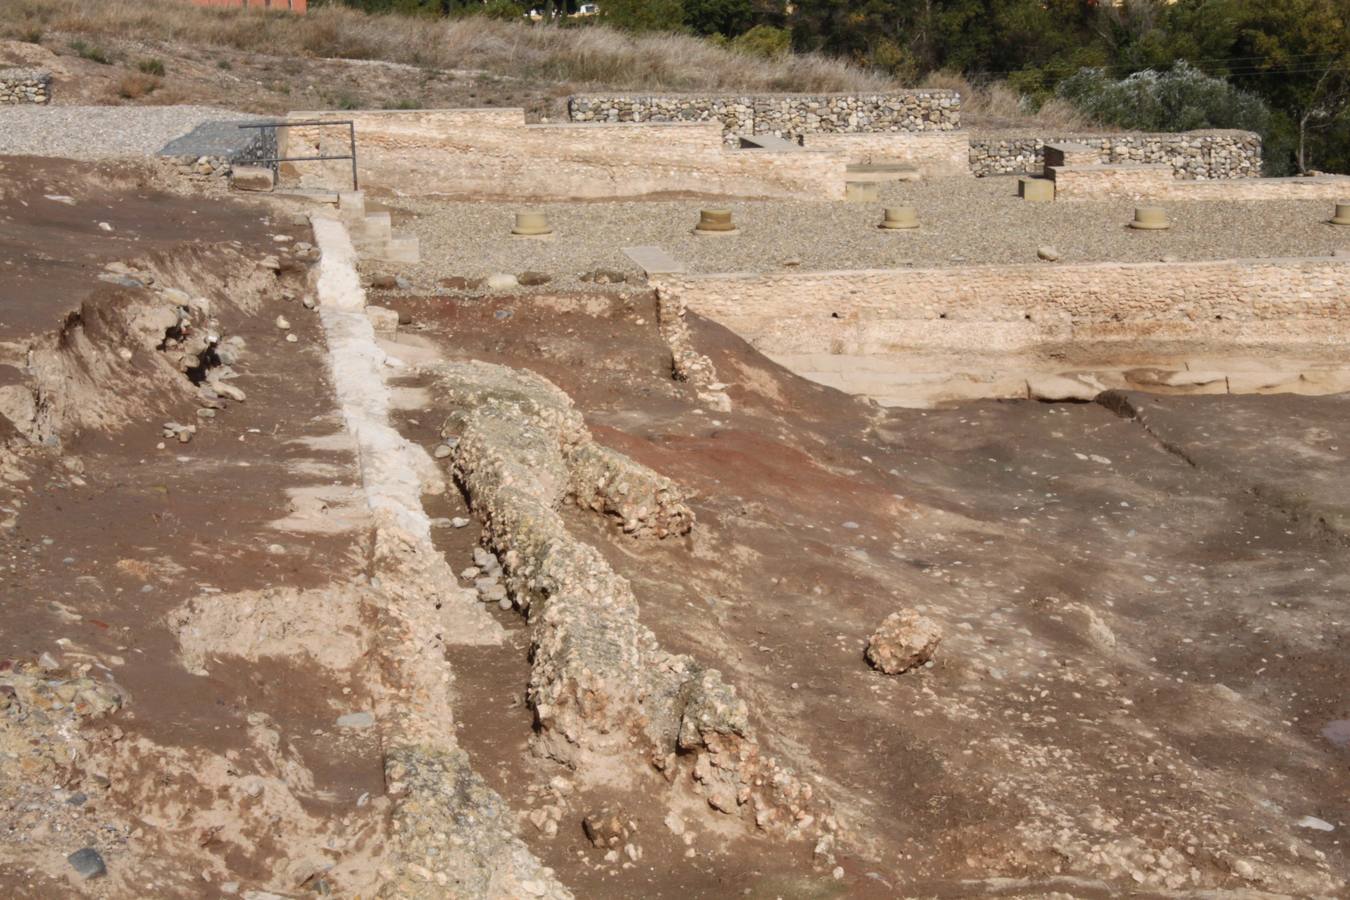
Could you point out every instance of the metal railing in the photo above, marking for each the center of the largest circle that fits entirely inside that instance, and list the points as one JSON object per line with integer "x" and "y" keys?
{"x": 351, "y": 142}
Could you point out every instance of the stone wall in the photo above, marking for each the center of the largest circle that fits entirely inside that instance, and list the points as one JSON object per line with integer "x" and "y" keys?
{"x": 493, "y": 153}
{"x": 20, "y": 86}
{"x": 1192, "y": 154}
{"x": 992, "y": 309}
{"x": 1131, "y": 181}
{"x": 934, "y": 154}
{"x": 785, "y": 115}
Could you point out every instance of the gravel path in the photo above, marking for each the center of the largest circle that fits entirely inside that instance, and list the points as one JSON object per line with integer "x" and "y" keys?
{"x": 965, "y": 221}
{"x": 100, "y": 132}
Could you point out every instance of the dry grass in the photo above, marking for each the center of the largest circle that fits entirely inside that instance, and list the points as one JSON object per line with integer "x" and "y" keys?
{"x": 995, "y": 107}
{"x": 135, "y": 85}
{"x": 595, "y": 56}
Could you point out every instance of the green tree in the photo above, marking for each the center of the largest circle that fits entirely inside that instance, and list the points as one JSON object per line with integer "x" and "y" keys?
{"x": 1298, "y": 58}
{"x": 725, "y": 17}
{"x": 644, "y": 15}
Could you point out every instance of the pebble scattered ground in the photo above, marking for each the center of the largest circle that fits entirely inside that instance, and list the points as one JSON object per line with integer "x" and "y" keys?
{"x": 964, "y": 221}
{"x": 100, "y": 132}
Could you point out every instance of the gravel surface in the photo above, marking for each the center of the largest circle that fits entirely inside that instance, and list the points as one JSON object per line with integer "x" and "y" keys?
{"x": 964, "y": 222}
{"x": 100, "y": 132}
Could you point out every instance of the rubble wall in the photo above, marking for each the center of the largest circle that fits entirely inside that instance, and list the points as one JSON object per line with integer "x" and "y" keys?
{"x": 1191, "y": 154}
{"x": 23, "y": 86}
{"x": 785, "y": 115}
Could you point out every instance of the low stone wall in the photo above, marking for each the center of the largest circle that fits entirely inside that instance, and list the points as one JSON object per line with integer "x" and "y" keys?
{"x": 493, "y": 153}
{"x": 781, "y": 114}
{"x": 934, "y": 154}
{"x": 1192, "y": 154}
{"x": 22, "y": 86}
{"x": 982, "y": 309}
{"x": 1132, "y": 181}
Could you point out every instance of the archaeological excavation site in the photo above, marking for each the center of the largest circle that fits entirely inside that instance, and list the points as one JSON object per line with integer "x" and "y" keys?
{"x": 714, "y": 495}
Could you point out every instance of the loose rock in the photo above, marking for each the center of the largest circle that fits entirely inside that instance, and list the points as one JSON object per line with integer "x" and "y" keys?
{"x": 904, "y": 641}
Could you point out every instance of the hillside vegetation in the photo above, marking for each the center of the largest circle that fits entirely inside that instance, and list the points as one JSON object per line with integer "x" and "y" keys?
{"x": 166, "y": 51}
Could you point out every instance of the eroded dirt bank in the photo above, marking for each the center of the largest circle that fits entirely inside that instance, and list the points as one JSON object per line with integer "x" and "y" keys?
{"x": 1144, "y": 645}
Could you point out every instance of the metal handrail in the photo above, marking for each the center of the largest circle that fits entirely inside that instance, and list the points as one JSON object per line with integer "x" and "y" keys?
{"x": 351, "y": 140}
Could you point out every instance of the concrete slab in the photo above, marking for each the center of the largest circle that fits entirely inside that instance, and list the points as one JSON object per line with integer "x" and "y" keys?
{"x": 655, "y": 261}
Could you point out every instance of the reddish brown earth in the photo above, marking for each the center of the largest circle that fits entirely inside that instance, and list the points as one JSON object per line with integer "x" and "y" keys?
{"x": 1143, "y": 600}
{"x": 100, "y": 560}
{"x": 1196, "y": 723}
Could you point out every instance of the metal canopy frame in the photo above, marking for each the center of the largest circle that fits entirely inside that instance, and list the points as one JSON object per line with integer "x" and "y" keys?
{"x": 351, "y": 142}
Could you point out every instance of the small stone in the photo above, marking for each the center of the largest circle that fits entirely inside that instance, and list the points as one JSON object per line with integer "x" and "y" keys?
{"x": 604, "y": 276}
{"x": 1315, "y": 823}
{"x": 104, "y": 226}
{"x": 904, "y": 641}
{"x": 283, "y": 323}
{"x": 1047, "y": 253}
{"x": 87, "y": 863}
{"x": 791, "y": 263}
{"x": 206, "y": 412}
{"x": 534, "y": 279}
{"x": 501, "y": 281}
{"x": 459, "y": 522}
{"x": 384, "y": 282}
{"x": 291, "y": 339}
{"x": 504, "y": 605}
{"x": 443, "y": 451}
{"x": 356, "y": 720}
{"x": 470, "y": 573}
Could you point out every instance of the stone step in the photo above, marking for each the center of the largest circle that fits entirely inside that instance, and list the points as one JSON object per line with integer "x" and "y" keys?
{"x": 655, "y": 261}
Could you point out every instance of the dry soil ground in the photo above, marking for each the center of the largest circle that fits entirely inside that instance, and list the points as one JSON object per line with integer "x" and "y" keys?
{"x": 1141, "y": 688}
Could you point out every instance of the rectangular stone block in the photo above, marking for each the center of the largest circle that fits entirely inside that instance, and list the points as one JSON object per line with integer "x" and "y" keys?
{"x": 252, "y": 178}
{"x": 377, "y": 227}
{"x": 1071, "y": 155}
{"x": 352, "y": 203}
{"x": 1037, "y": 190}
{"x": 862, "y": 192}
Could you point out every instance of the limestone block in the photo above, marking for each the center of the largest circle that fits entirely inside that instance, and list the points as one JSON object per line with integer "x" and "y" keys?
{"x": 1036, "y": 190}
{"x": 861, "y": 192}
{"x": 252, "y": 178}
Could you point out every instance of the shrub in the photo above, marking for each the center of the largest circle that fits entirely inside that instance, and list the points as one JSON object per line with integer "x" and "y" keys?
{"x": 136, "y": 85}
{"x": 91, "y": 53}
{"x": 31, "y": 35}
{"x": 644, "y": 15}
{"x": 1180, "y": 99}
{"x": 224, "y": 65}
{"x": 503, "y": 10}
{"x": 765, "y": 41}
{"x": 151, "y": 67}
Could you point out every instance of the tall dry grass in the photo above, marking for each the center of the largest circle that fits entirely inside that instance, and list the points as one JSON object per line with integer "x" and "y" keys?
{"x": 995, "y": 107}
{"x": 593, "y": 55}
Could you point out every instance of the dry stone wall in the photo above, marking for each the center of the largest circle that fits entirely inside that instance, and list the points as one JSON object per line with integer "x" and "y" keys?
{"x": 785, "y": 115}
{"x": 1191, "y": 154}
{"x": 23, "y": 86}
